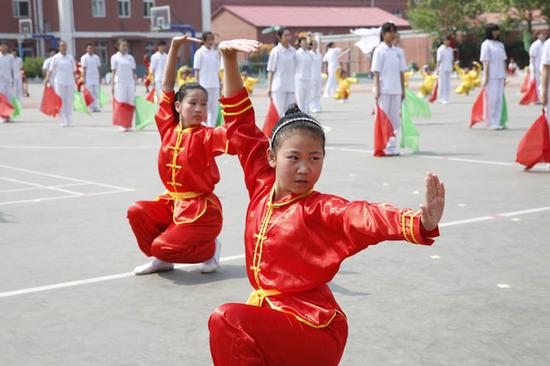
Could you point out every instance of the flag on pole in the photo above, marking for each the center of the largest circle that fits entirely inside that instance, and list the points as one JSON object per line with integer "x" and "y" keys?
{"x": 530, "y": 95}
{"x": 103, "y": 99}
{"x": 51, "y": 102}
{"x": 88, "y": 98}
{"x": 478, "y": 109}
{"x": 383, "y": 131}
{"x": 145, "y": 112}
{"x": 504, "y": 112}
{"x": 534, "y": 147}
{"x": 79, "y": 104}
{"x": 123, "y": 114}
{"x": 526, "y": 80}
{"x": 409, "y": 133}
{"x": 152, "y": 96}
{"x": 6, "y": 108}
{"x": 433, "y": 97}
{"x": 16, "y": 108}
{"x": 416, "y": 106}
{"x": 271, "y": 118}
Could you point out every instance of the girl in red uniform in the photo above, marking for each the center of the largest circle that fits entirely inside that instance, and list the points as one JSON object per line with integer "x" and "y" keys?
{"x": 296, "y": 238}
{"x": 182, "y": 224}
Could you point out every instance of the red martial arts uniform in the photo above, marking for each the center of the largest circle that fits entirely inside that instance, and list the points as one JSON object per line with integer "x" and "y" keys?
{"x": 182, "y": 224}
{"x": 293, "y": 248}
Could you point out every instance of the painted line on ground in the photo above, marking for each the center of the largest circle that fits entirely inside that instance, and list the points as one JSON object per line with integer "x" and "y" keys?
{"x": 79, "y": 147}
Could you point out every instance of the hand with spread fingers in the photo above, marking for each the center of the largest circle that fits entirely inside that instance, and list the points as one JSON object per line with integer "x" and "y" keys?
{"x": 179, "y": 40}
{"x": 434, "y": 202}
{"x": 239, "y": 45}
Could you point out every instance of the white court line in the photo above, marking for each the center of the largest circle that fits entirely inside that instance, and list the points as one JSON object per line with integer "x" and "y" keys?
{"x": 238, "y": 256}
{"x": 65, "y": 178}
{"x": 36, "y": 185}
{"x": 436, "y": 157}
{"x": 36, "y": 200}
{"x": 79, "y": 147}
{"x": 36, "y": 188}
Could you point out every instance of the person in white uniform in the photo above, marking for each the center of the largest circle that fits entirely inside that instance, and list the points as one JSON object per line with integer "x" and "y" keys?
{"x": 17, "y": 77}
{"x": 47, "y": 61}
{"x": 332, "y": 59}
{"x": 91, "y": 64}
{"x": 123, "y": 67}
{"x": 281, "y": 70}
{"x": 388, "y": 66}
{"x": 158, "y": 63}
{"x": 493, "y": 56}
{"x": 63, "y": 69}
{"x": 316, "y": 77}
{"x": 444, "y": 67}
{"x": 303, "y": 84}
{"x": 535, "y": 52}
{"x": 206, "y": 64}
{"x": 545, "y": 78}
{"x": 7, "y": 68}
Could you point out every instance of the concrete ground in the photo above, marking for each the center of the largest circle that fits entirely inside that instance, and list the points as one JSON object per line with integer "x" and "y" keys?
{"x": 479, "y": 296}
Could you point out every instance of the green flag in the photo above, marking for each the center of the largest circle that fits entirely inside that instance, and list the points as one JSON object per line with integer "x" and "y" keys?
{"x": 79, "y": 104}
{"x": 416, "y": 106}
{"x": 409, "y": 133}
{"x": 526, "y": 40}
{"x": 219, "y": 120}
{"x": 16, "y": 108}
{"x": 102, "y": 98}
{"x": 504, "y": 113}
{"x": 145, "y": 112}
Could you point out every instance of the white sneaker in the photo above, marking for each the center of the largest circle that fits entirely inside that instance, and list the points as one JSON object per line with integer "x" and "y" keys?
{"x": 213, "y": 263}
{"x": 156, "y": 265}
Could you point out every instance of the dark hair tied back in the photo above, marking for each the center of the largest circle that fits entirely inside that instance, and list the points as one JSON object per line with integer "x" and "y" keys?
{"x": 294, "y": 120}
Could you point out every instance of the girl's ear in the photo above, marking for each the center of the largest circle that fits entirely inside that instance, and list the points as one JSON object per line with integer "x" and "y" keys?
{"x": 177, "y": 106}
{"x": 271, "y": 158}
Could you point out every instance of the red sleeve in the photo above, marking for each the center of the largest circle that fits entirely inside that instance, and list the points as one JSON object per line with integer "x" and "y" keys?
{"x": 247, "y": 140}
{"x": 218, "y": 143}
{"x": 360, "y": 224}
{"x": 165, "y": 117}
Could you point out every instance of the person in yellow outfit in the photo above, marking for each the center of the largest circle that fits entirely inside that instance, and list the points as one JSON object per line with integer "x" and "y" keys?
{"x": 248, "y": 82}
{"x": 470, "y": 79}
{"x": 344, "y": 85}
{"x": 428, "y": 84}
{"x": 408, "y": 75}
{"x": 185, "y": 76}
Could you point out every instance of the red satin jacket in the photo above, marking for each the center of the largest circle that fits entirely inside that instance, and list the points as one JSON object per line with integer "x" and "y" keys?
{"x": 186, "y": 162}
{"x": 296, "y": 245}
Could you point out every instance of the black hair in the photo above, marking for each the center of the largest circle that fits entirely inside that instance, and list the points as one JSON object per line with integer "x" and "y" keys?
{"x": 299, "y": 40}
{"x": 205, "y": 36}
{"x": 53, "y": 50}
{"x": 279, "y": 34}
{"x": 303, "y": 122}
{"x": 15, "y": 50}
{"x": 329, "y": 45}
{"x": 489, "y": 28}
{"x": 185, "y": 88}
{"x": 161, "y": 43}
{"x": 386, "y": 28}
{"x": 448, "y": 37}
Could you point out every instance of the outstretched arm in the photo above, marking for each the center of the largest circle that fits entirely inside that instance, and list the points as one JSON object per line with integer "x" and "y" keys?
{"x": 434, "y": 202}
{"x": 232, "y": 81}
{"x": 170, "y": 70}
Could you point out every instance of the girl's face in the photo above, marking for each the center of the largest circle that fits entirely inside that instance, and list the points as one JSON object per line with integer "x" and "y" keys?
{"x": 63, "y": 47}
{"x": 193, "y": 108}
{"x": 209, "y": 41}
{"x": 389, "y": 36}
{"x": 298, "y": 163}
{"x": 285, "y": 38}
{"x": 496, "y": 34}
{"x": 123, "y": 47}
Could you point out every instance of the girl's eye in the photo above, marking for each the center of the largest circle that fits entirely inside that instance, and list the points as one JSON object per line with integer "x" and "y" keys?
{"x": 315, "y": 158}
{"x": 292, "y": 157}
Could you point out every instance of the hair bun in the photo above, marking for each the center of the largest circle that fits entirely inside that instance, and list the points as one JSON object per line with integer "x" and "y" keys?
{"x": 293, "y": 109}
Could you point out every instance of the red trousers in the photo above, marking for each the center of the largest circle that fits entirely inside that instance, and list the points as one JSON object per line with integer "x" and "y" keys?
{"x": 246, "y": 335}
{"x": 158, "y": 236}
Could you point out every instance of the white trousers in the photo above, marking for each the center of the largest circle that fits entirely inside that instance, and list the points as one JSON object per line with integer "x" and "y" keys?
{"x": 444, "y": 86}
{"x": 391, "y": 105}
{"x": 125, "y": 92}
{"x": 93, "y": 88}
{"x": 315, "y": 103}
{"x": 18, "y": 87}
{"x": 213, "y": 96}
{"x": 331, "y": 85}
{"x": 158, "y": 89}
{"x": 303, "y": 94}
{"x": 282, "y": 100}
{"x": 66, "y": 92}
{"x": 6, "y": 88}
{"x": 493, "y": 105}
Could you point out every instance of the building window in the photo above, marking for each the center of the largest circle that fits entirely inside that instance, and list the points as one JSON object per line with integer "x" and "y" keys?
{"x": 21, "y": 8}
{"x": 147, "y": 5}
{"x": 124, "y": 8}
{"x": 98, "y": 8}
{"x": 398, "y": 13}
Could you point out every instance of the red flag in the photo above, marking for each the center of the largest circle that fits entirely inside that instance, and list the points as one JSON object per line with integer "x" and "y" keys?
{"x": 478, "y": 109}
{"x": 51, "y": 102}
{"x": 123, "y": 114}
{"x": 271, "y": 119}
{"x": 433, "y": 97}
{"x": 151, "y": 96}
{"x": 88, "y": 98}
{"x": 525, "y": 83}
{"x": 6, "y": 108}
{"x": 534, "y": 147}
{"x": 531, "y": 95}
{"x": 383, "y": 130}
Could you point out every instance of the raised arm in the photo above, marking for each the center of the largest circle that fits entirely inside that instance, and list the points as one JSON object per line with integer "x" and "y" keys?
{"x": 169, "y": 78}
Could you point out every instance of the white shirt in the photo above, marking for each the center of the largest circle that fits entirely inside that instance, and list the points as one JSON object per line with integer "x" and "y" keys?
{"x": 535, "y": 54}
{"x": 63, "y": 67}
{"x": 158, "y": 63}
{"x": 304, "y": 62}
{"x": 493, "y": 52}
{"x": 207, "y": 61}
{"x": 331, "y": 58}
{"x": 389, "y": 62}
{"x": 124, "y": 64}
{"x": 545, "y": 57}
{"x": 282, "y": 63}
{"x": 316, "y": 65}
{"x": 7, "y": 67}
{"x": 91, "y": 64}
{"x": 445, "y": 58}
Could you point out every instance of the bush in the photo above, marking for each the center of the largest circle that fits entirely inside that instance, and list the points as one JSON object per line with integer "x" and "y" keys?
{"x": 33, "y": 66}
